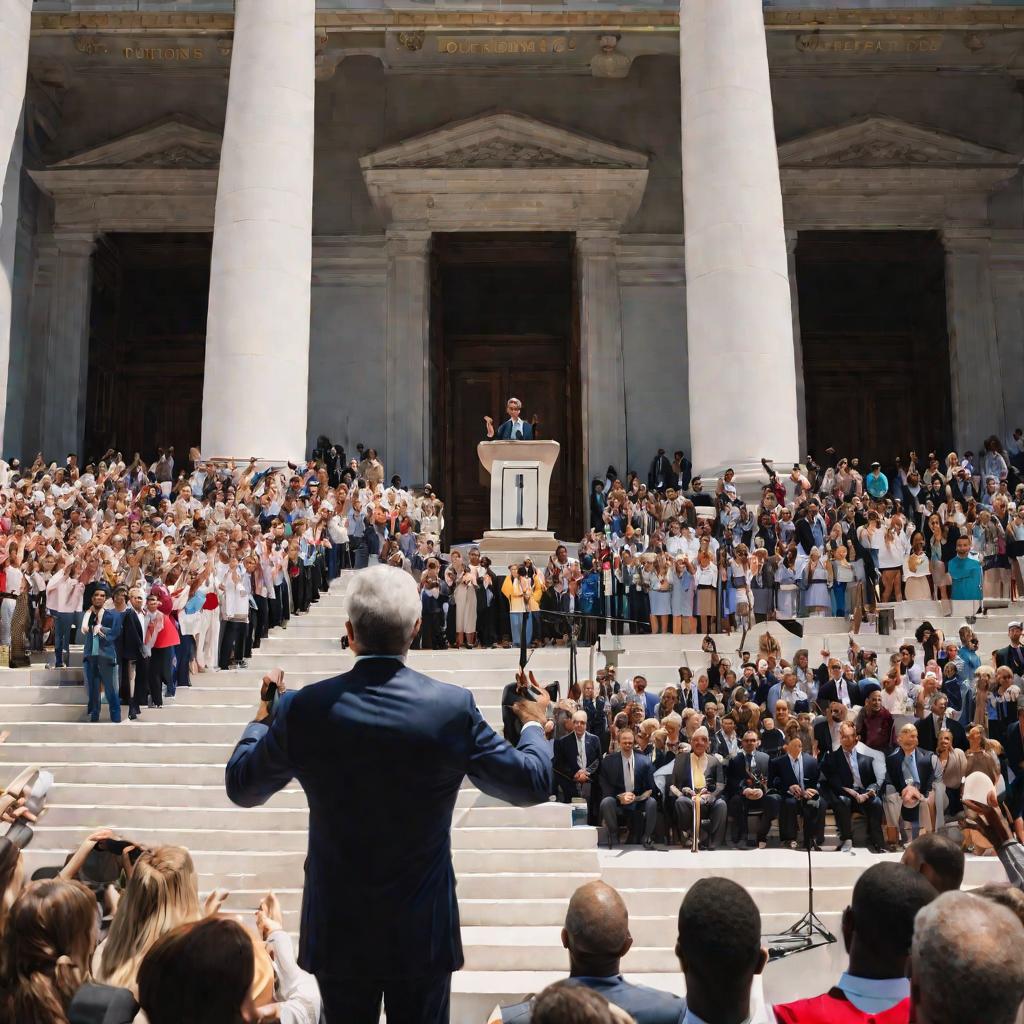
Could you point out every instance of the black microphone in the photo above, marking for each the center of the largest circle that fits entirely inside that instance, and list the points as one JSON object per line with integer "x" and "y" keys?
{"x": 517, "y": 436}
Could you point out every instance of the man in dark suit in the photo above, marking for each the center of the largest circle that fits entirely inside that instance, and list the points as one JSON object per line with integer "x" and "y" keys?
{"x": 851, "y": 787}
{"x": 627, "y": 787}
{"x": 826, "y": 728}
{"x": 698, "y": 776}
{"x": 99, "y": 632}
{"x": 577, "y": 762}
{"x": 841, "y": 686}
{"x": 747, "y": 791}
{"x": 910, "y": 772}
{"x": 794, "y": 777}
{"x": 1012, "y": 654}
{"x": 514, "y": 428}
{"x": 596, "y": 934}
{"x": 379, "y": 914}
{"x": 648, "y": 701}
{"x": 660, "y": 475}
{"x": 929, "y": 727}
{"x": 133, "y": 661}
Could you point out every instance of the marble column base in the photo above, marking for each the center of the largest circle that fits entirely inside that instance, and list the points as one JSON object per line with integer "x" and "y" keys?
{"x": 749, "y": 480}
{"x": 504, "y": 547}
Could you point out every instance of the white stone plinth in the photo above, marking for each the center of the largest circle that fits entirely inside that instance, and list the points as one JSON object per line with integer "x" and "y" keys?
{"x": 520, "y": 483}
{"x": 738, "y": 316}
{"x": 256, "y": 386}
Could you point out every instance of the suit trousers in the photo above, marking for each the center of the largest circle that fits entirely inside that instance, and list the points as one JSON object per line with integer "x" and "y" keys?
{"x": 813, "y": 813}
{"x": 160, "y": 674}
{"x": 232, "y": 636}
{"x": 715, "y": 813}
{"x": 101, "y": 672}
{"x": 844, "y": 808}
{"x": 740, "y": 808}
{"x": 640, "y": 812}
{"x": 356, "y": 1000}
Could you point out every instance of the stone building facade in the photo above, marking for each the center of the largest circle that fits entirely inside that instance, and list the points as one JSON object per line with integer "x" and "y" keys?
{"x": 495, "y": 199}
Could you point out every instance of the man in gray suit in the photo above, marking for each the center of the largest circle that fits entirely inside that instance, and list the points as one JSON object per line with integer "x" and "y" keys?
{"x": 699, "y": 776}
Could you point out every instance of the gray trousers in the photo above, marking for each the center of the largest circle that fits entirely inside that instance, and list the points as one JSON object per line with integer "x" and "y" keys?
{"x": 639, "y": 812}
{"x": 716, "y": 813}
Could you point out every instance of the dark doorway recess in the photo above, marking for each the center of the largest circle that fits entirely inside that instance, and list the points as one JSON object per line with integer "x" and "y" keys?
{"x": 503, "y": 322}
{"x": 147, "y": 343}
{"x": 875, "y": 344}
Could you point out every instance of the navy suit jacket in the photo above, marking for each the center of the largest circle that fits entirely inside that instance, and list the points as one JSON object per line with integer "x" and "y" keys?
{"x": 111, "y": 622}
{"x": 567, "y": 755}
{"x": 925, "y": 770}
{"x": 614, "y": 784}
{"x": 504, "y": 432}
{"x": 838, "y": 775}
{"x": 379, "y": 899}
{"x": 782, "y": 775}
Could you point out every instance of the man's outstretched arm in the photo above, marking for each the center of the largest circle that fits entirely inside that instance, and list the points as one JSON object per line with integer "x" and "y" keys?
{"x": 260, "y": 764}
{"x": 519, "y": 775}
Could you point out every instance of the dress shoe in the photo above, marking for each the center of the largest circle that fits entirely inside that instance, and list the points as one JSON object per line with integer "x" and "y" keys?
{"x": 685, "y": 839}
{"x": 816, "y": 847}
{"x": 648, "y": 843}
{"x": 875, "y": 848}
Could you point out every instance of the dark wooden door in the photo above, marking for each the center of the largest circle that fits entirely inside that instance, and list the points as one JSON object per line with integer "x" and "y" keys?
{"x": 875, "y": 344}
{"x": 502, "y": 325}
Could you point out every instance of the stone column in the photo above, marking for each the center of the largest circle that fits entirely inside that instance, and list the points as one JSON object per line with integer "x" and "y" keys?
{"x": 738, "y": 313}
{"x": 798, "y": 350}
{"x": 15, "y": 29}
{"x": 978, "y": 409}
{"x": 256, "y": 385}
{"x": 67, "y": 346}
{"x": 601, "y": 367}
{"x": 406, "y": 387}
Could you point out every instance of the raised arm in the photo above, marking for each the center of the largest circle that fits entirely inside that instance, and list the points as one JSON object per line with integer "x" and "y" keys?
{"x": 260, "y": 764}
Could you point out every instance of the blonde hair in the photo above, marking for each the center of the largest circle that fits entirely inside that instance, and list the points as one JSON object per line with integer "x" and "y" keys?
{"x": 162, "y": 893}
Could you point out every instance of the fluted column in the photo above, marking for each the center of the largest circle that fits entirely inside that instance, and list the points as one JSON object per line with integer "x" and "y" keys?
{"x": 601, "y": 365}
{"x": 738, "y": 315}
{"x": 975, "y": 373}
{"x": 407, "y": 403}
{"x": 256, "y": 386}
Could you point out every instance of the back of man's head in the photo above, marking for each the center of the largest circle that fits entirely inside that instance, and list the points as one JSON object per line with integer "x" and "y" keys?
{"x": 568, "y": 1003}
{"x": 719, "y": 945}
{"x": 879, "y": 925}
{"x": 938, "y": 858}
{"x": 967, "y": 962}
{"x": 596, "y": 928}
{"x": 383, "y": 608}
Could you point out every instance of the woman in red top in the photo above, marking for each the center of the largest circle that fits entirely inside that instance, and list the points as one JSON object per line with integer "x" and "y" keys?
{"x": 162, "y": 637}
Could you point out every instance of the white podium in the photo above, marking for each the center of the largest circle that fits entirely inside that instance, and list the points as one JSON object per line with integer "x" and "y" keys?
{"x": 520, "y": 484}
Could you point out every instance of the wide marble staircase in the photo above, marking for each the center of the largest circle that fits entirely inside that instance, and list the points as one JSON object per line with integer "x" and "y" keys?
{"x": 160, "y": 780}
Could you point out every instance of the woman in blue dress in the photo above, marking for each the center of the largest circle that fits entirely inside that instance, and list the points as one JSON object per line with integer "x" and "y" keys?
{"x": 786, "y": 586}
{"x": 815, "y": 577}
{"x": 682, "y": 597}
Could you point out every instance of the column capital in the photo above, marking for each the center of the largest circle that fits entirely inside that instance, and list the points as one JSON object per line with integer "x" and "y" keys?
{"x": 408, "y": 242}
{"x": 597, "y": 242}
{"x": 964, "y": 240}
{"x": 74, "y": 243}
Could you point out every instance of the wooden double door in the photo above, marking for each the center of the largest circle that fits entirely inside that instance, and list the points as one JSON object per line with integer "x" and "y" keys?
{"x": 503, "y": 323}
{"x": 875, "y": 343}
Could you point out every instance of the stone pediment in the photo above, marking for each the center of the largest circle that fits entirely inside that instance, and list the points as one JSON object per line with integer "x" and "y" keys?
{"x": 503, "y": 140}
{"x": 880, "y": 141}
{"x": 176, "y": 142}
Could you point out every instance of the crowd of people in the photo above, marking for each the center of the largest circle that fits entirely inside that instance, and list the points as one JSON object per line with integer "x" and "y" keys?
{"x": 825, "y": 539}
{"x": 160, "y": 571}
{"x": 786, "y": 740}
{"x": 118, "y": 934}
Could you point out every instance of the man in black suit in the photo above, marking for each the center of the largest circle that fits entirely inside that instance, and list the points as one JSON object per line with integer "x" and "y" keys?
{"x": 1014, "y": 745}
{"x": 851, "y": 787}
{"x": 929, "y": 727}
{"x": 911, "y": 773}
{"x": 794, "y": 777}
{"x": 841, "y": 686}
{"x": 133, "y": 662}
{"x": 747, "y": 791}
{"x": 1012, "y": 655}
{"x": 380, "y": 918}
{"x": 699, "y": 776}
{"x": 826, "y": 728}
{"x": 514, "y": 428}
{"x": 660, "y": 475}
{"x": 577, "y": 762}
{"x": 627, "y": 785}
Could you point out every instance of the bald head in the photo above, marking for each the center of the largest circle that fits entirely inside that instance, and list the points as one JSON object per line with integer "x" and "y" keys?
{"x": 596, "y": 931}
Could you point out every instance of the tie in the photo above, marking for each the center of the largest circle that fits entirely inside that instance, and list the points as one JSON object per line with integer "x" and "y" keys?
{"x": 750, "y": 763}
{"x": 697, "y": 773}
{"x": 629, "y": 775}
{"x": 854, "y": 770}
{"x": 580, "y": 755}
{"x": 798, "y": 771}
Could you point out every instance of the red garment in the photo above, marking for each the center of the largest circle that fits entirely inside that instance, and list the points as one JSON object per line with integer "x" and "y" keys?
{"x": 833, "y": 1007}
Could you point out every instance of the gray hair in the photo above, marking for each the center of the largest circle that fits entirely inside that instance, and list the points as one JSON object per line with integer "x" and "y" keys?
{"x": 383, "y": 607}
{"x": 968, "y": 960}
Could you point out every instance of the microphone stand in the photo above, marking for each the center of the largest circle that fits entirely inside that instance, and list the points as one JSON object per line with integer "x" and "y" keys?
{"x": 810, "y": 931}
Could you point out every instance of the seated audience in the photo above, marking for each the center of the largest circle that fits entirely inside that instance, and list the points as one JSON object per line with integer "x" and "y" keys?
{"x": 938, "y": 858}
{"x": 852, "y": 788}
